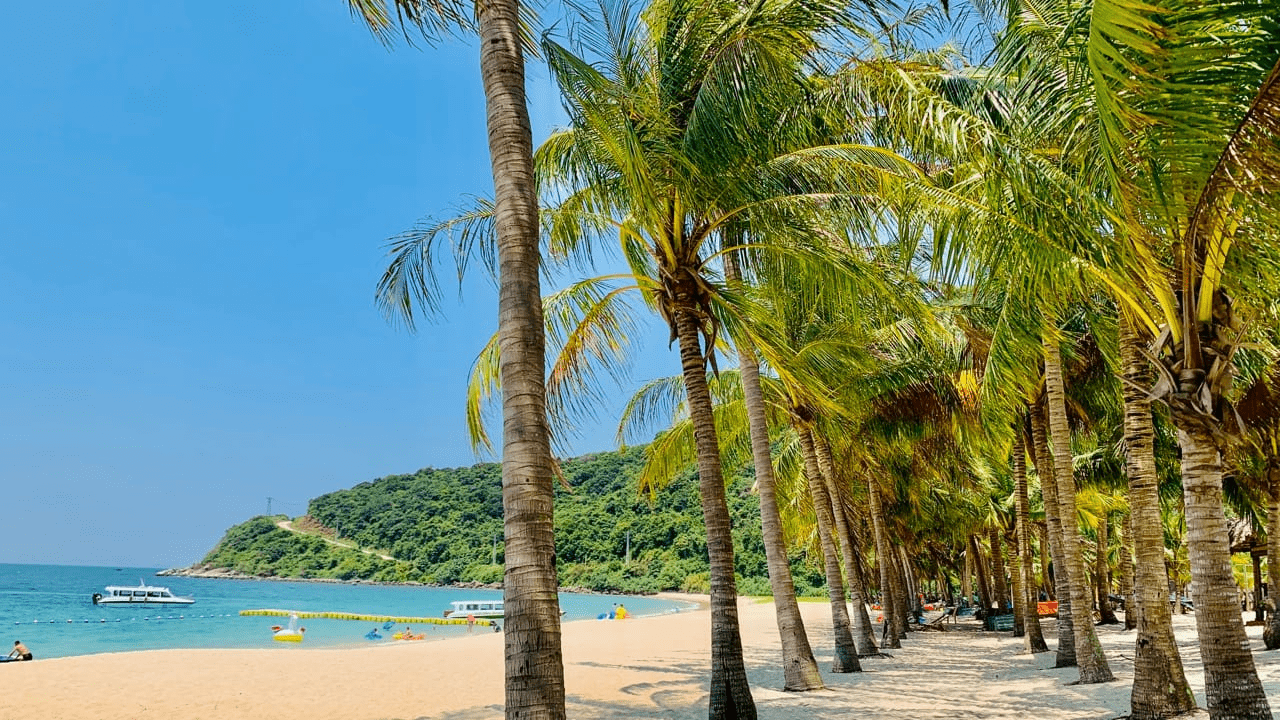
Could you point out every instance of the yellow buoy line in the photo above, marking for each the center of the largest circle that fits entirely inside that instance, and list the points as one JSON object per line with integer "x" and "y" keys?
{"x": 302, "y": 615}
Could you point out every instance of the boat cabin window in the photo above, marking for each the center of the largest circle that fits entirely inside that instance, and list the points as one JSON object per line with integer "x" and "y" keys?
{"x": 487, "y": 606}
{"x": 139, "y": 593}
{"x": 153, "y": 593}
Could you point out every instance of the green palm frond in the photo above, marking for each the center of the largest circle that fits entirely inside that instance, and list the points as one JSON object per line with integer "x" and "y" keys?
{"x": 410, "y": 278}
{"x": 430, "y": 18}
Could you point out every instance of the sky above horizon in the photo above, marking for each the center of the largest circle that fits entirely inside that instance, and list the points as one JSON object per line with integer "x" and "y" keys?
{"x": 194, "y": 200}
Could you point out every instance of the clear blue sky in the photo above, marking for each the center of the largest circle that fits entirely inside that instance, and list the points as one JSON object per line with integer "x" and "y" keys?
{"x": 193, "y": 202}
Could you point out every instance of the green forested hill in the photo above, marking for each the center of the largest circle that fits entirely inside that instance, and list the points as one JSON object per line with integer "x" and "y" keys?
{"x": 445, "y": 526}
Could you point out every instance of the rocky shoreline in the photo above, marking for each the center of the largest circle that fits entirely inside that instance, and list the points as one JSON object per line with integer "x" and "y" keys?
{"x": 210, "y": 572}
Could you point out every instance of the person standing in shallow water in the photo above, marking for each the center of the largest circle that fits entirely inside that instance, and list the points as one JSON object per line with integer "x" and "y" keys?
{"x": 20, "y": 651}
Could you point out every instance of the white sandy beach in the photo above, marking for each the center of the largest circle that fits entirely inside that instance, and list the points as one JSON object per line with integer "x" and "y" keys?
{"x": 645, "y": 667}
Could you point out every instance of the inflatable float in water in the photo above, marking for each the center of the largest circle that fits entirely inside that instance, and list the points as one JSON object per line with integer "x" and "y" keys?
{"x": 288, "y": 633}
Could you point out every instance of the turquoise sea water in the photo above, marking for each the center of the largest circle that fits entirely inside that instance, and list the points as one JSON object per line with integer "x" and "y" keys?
{"x": 50, "y": 609}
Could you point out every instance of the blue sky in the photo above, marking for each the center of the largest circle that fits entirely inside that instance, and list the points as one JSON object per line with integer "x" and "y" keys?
{"x": 193, "y": 203}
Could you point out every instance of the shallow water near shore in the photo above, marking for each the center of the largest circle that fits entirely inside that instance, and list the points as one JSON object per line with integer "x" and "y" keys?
{"x": 50, "y": 609}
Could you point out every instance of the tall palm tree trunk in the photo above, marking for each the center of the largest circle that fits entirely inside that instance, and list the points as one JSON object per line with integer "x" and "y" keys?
{"x": 1034, "y": 637}
{"x": 997, "y": 570}
{"x": 863, "y": 633}
{"x": 534, "y": 663}
{"x": 1066, "y": 654}
{"x": 1124, "y": 573}
{"x": 1018, "y": 592}
{"x": 965, "y": 569}
{"x": 980, "y": 572}
{"x": 1271, "y": 636}
{"x": 902, "y": 590}
{"x": 861, "y": 618}
{"x": 1160, "y": 687}
{"x": 799, "y": 668}
{"x": 730, "y": 695}
{"x": 1102, "y": 571}
{"x": 1042, "y": 532}
{"x": 1231, "y": 686}
{"x": 1090, "y": 659}
{"x": 884, "y": 559}
{"x": 846, "y": 652}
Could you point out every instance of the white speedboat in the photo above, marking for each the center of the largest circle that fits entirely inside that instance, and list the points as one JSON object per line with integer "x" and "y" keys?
{"x": 140, "y": 594}
{"x": 479, "y": 609}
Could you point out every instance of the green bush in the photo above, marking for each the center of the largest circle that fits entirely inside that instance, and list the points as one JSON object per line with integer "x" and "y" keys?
{"x": 446, "y": 526}
{"x": 697, "y": 583}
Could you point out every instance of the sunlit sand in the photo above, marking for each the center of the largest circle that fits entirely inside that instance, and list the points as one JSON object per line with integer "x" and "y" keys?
{"x": 642, "y": 667}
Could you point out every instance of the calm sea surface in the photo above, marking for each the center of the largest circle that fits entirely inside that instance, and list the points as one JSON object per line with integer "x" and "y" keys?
{"x": 50, "y": 609}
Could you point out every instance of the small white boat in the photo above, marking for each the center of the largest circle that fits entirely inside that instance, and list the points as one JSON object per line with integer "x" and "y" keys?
{"x": 141, "y": 594}
{"x": 479, "y": 609}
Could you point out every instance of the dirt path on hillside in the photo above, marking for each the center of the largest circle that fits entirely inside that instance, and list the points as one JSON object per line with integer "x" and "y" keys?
{"x": 288, "y": 525}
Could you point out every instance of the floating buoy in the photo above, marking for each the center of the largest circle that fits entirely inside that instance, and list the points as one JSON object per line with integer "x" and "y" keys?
{"x": 390, "y": 619}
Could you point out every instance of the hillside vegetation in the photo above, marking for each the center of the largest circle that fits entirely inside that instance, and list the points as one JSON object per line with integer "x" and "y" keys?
{"x": 445, "y": 526}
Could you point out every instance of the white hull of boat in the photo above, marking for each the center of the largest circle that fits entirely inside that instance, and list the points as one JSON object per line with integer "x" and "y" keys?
{"x": 145, "y": 601}
{"x": 141, "y": 594}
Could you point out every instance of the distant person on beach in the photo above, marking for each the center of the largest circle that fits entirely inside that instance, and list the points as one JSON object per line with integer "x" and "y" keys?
{"x": 494, "y": 625}
{"x": 20, "y": 651}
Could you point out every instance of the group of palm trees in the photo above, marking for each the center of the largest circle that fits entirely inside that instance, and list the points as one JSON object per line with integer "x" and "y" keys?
{"x": 1000, "y": 280}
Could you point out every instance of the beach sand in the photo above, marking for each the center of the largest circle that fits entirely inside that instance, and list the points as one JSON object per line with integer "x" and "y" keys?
{"x": 638, "y": 668}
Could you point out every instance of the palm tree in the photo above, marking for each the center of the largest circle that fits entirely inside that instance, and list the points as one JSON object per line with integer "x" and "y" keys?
{"x": 863, "y": 633}
{"x": 1034, "y": 637}
{"x": 1089, "y": 656}
{"x": 1160, "y": 687}
{"x": 800, "y": 669}
{"x": 686, "y": 124}
{"x": 1192, "y": 161}
{"x": 1066, "y": 653}
{"x": 846, "y": 651}
{"x": 534, "y": 665}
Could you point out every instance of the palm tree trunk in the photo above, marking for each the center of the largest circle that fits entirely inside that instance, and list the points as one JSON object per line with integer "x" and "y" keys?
{"x": 903, "y": 589}
{"x": 1231, "y": 685}
{"x": 1034, "y": 637}
{"x": 1045, "y": 553}
{"x": 965, "y": 588}
{"x": 1090, "y": 659}
{"x": 1018, "y": 592}
{"x": 861, "y": 618}
{"x": 1066, "y": 655}
{"x": 1160, "y": 687}
{"x": 980, "y": 572}
{"x": 1124, "y": 570}
{"x": 1271, "y": 636}
{"x": 1259, "y": 614}
{"x": 884, "y": 558}
{"x": 730, "y": 695}
{"x": 846, "y": 652}
{"x": 534, "y": 663}
{"x": 1102, "y": 571}
{"x": 998, "y": 571}
{"x": 799, "y": 668}
{"x": 863, "y": 634}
